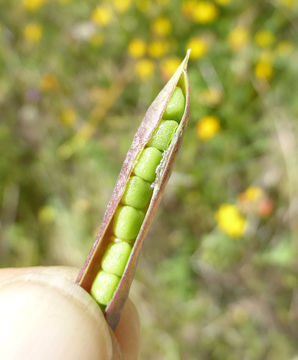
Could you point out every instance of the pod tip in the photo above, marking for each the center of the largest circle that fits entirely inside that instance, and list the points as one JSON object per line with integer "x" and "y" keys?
{"x": 185, "y": 61}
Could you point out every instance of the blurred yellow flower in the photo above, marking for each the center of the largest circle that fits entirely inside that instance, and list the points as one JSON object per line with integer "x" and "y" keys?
{"x": 264, "y": 70}
{"x": 145, "y": 68}
{"x": 207, "y": 127}
{"x": 264, "y": 38}
{"x": 230, "y": 220}
{"x": 188, "y": 8}
{"x": 46, "y": 214}
{"x": 82, "y": 205}
{"x": 205, "y": 12}
{"x": 32, "y": 5}
{"x": 143, "y": 5}
{"x": 284, "y": 48}
{"x": 253, "y": 194}
{"x": 211, "y": 96}
{"x": 49, "y": 83}
{"x": 161, "y": 26}
{"x": 239, "y": 314}
{"x": 33, "y": 32}
{"x": 238, "y": 38}
{"x": 137, "y": 48}
{"x": 68, "y": 116}
{"x": 102, "y": 15}
{"x": 96, "y": 39}
{"x": 198, "y": 47}
{"x": 169, "y": 65}
{"x": 223, "y": 2}
{"x": 121, "y": 5}
{"x": 158, "y": 48}
{"x": 288, "y": 3}
{"x": 267, "y": 56}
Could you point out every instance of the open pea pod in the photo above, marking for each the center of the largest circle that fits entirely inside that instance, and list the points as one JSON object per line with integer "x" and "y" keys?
{"x": 111, "y": 289}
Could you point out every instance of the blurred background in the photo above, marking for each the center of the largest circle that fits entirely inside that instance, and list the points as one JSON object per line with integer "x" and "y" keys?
{"x": 218, "y": 276}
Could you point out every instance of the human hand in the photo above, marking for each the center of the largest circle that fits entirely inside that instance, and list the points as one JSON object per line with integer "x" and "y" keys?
{"x": 45, "y": 315}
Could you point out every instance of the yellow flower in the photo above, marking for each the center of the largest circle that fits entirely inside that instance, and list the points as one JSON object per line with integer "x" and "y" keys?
{"x": 161, "y": 26}
{"x": 143, "y": 5}
{"x": 169, "y": 65}
{"x": 145, "y": 68}
{"x": 239, "y": 314}
{"x": 32, "y": 5}
{"x": 284, "y": 48}
{"x": 253, "y": 194}
{"x": 46, "y": 214}
{"x": 205, "y": 12}
{"x": 267, "y": 56}
{"x": 68, "y": 116}
{"x": 207, "y": 127}
{"x": 230, "y": 220}
{"x": 264, "y": 38}
{"x": 163, "y": 2}
{"x": 122, "y": 5}
{"x": 49, "y": 83}
{"x": 188, "y": 8}
{"x": 137, "y": 48}
{"x": 198, "y": 47}
{"x": 223, "y": 2}
{"x": 158, "y": 48}
{"x": 212, "y": 96}
{"x": 96, "y": 39}
{"x": 33, "y": 32}
{"x": 82, "y": 205}
{"x": 238, "y": 38}
{"x": 288, "y": 3}
{"x": 102, "y": 15}
{"x": 264, "y": 70}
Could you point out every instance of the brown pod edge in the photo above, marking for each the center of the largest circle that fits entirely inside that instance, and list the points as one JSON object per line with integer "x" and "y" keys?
{"x": 150, "y": 122}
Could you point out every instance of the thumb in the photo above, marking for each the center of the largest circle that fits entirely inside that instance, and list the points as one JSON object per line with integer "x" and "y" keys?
{"x": 46, "y": 316}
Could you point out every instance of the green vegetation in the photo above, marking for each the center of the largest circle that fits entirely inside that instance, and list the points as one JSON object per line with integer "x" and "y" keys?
{"x": 218, "y": 275}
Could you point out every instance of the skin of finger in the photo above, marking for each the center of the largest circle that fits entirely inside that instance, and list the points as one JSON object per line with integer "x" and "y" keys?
{"x": 43, "y": 311}
{"x": 129, "y": 341}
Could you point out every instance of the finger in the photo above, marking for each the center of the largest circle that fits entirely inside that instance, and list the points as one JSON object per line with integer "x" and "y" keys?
{"x": 54, "y": 318}
{"x": 67, "y": 272}
{"x": 128, "y": 332}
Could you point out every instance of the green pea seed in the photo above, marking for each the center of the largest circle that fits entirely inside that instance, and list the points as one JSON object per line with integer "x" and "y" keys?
{"x": 104, "y": 286}
{"x": 115, "y": 258}
{"x": 176, "y": 105}
{"x": 163, "y": 135}
{"x": 137, "y": 193}
{"x": 127, "y": 222}
{"x": 147, "y": 164}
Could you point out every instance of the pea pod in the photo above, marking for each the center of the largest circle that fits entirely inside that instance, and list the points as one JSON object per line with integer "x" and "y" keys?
{"x": 130, "y": 211}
